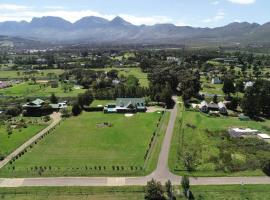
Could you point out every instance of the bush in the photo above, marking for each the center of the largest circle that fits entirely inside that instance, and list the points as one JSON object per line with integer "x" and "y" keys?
{"x": 76, "y": 109}
{"x": 266, "y": 168}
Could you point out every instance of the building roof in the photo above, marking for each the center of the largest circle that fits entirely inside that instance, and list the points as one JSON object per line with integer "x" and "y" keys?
{"x": 125, "y": 102}
{"x": 38, "y": 102}
{"x": 204, "y": 103}
{"x": 242, "y": 130}
{"x": 221, "y": 105}
{"x": 34, "y": 104}
{"x": 264, "y": 136}
{"x": 213, "y": 106}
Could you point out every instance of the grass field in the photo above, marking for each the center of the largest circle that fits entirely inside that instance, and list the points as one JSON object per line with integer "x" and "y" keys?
{"x": 36, "y": 90}
{"x": 196, "y": 132}
{"x": 86, "y": 146}
{"x": 21, "y": 74}
{"x": 96, "y": 103}
{"x": 8, "y": 143}
{"x": 137, "y": 72}
{"x": 59, "y": 92}
{"x": 222, "y": 192}
{"x": 20, "y": 90}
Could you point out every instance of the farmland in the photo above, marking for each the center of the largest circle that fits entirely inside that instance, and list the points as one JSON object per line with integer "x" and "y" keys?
{"x": 205, "y": 137}
{"x": 92, "y": 144}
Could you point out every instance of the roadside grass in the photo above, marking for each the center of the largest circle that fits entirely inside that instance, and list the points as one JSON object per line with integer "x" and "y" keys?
{"x": 221, "y": 192}
{"x": 87, "y": 146}
{"x": 21, "y": 74}
{"x": 9, "y": 143}
{"x": 137, "y": 72}
{"x": 196, "y": 132}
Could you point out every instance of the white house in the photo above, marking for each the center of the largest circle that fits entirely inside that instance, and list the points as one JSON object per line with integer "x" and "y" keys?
{"x": 222, "y": 108}
{"x": 216, "y": 80}
{"x": 204, "y": 106}
{"x": 248, "y": 84}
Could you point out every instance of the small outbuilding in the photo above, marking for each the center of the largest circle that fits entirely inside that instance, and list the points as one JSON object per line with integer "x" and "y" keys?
{"x": 241, "y": 132}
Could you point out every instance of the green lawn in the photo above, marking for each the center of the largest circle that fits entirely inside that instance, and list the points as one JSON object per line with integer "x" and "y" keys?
{"x": 19, "y": 90}
{"x": 59, "y": 92}
{"x": 197, "y": 133}
{"x": 222, "y": 192}
{"x": 96, "y": 103}
{"x": 9, "y": 143}
{"x": 21, "y": 74}
{"x": 83, "y": 146}
{"x": 137, "y": 72}
{"x": 37, "y": 90}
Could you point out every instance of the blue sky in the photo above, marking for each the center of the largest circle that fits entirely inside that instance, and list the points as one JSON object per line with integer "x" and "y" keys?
{"x": 199, "y": 13}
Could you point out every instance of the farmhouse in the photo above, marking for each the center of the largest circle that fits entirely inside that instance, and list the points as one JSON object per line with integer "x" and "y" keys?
{"x": 126, "y": 105}
{"x": 220, "y": 107}
{"x": 36, "y": 104}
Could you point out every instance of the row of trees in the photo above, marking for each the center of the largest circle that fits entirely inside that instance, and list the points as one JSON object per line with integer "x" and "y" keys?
{"x": 155, "y": 191}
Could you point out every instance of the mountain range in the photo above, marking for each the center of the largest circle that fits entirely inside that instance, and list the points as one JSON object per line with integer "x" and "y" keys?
{"x": 98, "y": 30}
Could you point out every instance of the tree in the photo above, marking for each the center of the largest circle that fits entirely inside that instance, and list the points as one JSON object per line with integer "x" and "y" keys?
{"x": 85, "y": 99}
{"x": 233, "y": 104}
{"x": 266, "y": 167}
{"x": 256, "y": 100}
{"x": 76, "y": 109}
{"x": 228, "y": 86}
{"x": 239, "y": 86}
{"x": 154, "y": 191}
{"x": 169, "y": 190}
{"x": 9, "y": 129}
{"x": 215, "y": 99}
{"x": 190, "y": 160}
{"x": 53, "y": 99}
{"x": 185, "y": 185}
{"x": 166, "y": 96}
{"x": 65, "y": 113}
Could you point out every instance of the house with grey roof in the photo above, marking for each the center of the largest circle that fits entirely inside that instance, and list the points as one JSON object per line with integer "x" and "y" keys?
{"x": 126, "y": 105}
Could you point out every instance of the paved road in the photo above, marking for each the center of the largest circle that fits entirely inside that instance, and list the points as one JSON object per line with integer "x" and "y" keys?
{"x": 56, "y": 118}
{"x": 161, "y": 173}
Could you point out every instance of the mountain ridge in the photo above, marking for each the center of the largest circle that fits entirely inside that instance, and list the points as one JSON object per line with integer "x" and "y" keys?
{"x": 99, "y": 30}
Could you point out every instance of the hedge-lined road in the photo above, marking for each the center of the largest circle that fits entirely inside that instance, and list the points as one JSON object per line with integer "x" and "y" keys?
{"x": 161, "y": 173}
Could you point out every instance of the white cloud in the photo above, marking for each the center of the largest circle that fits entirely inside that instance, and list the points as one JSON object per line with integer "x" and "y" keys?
{"x": 12, "y": 12}
{"x": 215, "y": 3}
{"x": 218, "y": 17}
{"x": 243, "y": 1}
{"x": 12, "y": 7}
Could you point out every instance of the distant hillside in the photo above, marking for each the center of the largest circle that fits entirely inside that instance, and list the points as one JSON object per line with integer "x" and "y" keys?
{"x": 99, "y": 30}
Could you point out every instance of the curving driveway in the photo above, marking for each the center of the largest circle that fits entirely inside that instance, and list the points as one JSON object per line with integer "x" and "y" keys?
{"x": 161, "y": 173}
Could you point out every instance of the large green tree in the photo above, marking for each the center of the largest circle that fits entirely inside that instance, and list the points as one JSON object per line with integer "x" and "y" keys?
{"x": 154, "y": 191}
